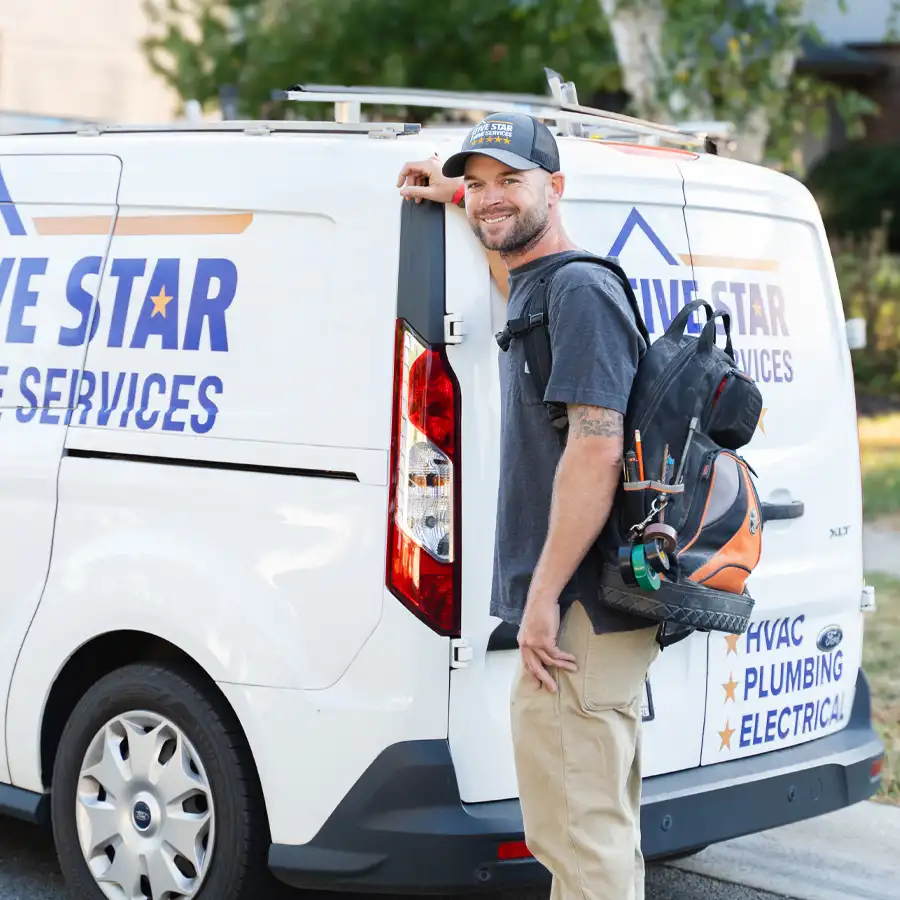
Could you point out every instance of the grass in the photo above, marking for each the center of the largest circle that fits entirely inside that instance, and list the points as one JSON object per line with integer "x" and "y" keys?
{"x": 882, "y": 638}
{"x": 879, "y": 450}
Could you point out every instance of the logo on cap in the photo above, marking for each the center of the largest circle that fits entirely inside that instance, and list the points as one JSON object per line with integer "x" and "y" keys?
{"x": 491, "y": 131}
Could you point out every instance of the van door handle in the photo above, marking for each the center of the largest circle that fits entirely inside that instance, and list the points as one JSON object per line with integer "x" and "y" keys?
{"x": 773, "y": 511}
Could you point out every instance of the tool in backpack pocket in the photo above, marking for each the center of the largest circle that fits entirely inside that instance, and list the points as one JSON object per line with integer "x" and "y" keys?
{"x": 631, "y": 468}
{"x": 684, "y": 453}
{"x": 666, "y": 475}
{"x": 635, "y": 480}
{"x": 646, "y": 557}
{"x": 640, "y": 455}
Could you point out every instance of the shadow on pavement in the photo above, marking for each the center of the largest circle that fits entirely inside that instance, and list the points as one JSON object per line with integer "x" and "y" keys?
{"x": 29, "y": 871}
{"x": 28, "y": 866}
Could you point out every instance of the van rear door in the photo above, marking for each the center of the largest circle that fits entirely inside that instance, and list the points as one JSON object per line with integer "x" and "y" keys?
{"x": 57, "y": 214}
{"x": 619, "y": 201}
{"x": 760, "y": 252}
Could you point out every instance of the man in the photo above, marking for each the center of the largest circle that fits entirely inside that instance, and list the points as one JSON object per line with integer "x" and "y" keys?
{"x": 575, "y": 703}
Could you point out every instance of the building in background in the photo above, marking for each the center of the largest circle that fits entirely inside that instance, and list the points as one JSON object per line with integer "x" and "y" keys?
{"x": 65, "y": 60}
{"x": 862, "y": 52}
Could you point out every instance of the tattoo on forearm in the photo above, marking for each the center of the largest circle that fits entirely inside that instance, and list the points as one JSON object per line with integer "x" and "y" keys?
{"x": 594, "y": 421}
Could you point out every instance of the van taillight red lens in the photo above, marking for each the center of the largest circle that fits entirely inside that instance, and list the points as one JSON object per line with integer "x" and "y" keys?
{"x": 513, "y": 850}
{"x": 431, "y": 400}
{"x": 422, "y": 561}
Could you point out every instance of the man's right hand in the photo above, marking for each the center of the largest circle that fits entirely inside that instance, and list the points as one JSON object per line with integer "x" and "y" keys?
{"x": 425, "y": 181}
{"x": 538, "y": 642}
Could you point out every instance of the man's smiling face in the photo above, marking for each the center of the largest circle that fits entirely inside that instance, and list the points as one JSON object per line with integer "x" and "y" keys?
{"x": 507, "y": 208}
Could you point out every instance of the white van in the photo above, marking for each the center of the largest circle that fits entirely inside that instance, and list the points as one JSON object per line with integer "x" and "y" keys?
{"x": 248, "y": 457}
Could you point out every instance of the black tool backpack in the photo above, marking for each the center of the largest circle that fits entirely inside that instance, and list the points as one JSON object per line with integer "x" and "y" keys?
{"x": 685, "y": 529}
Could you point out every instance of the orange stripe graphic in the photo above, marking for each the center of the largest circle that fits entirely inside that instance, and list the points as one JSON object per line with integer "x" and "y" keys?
{"x": 225, "y": 223}
{"x": 730, "y": 262}
{"x": 69, "y": 225}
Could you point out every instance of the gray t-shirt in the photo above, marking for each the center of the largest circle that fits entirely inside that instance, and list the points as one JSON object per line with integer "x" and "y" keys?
{"x": 596, "y": 347}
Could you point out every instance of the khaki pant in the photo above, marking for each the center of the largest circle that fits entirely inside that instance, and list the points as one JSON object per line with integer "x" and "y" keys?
{"x": 577, "y": 755}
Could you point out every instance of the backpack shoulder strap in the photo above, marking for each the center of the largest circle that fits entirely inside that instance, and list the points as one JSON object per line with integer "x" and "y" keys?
{"x": 532, "y": 328}
{"x": 539, "y": 355}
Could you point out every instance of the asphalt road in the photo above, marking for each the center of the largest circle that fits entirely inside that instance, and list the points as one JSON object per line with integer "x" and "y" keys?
{"x": 28, "y": 871}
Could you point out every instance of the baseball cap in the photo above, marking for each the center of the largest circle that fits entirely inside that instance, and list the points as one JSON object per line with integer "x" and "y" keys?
{"x": 519, "y": 141}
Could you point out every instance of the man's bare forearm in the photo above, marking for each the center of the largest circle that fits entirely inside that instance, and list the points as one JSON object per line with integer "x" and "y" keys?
{"x": 583, "y": 492}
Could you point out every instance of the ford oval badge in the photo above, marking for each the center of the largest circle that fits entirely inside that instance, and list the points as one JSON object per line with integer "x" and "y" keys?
{"x": 829, "y": 638}
{"x": 142, "y": 816}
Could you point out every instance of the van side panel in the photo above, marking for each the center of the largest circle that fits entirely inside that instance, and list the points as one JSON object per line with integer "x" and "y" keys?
{"x": 44, "y": 269}
{"x": 226, "y": 481}
{"x": 29, "y": 461}
{"x": 251, "y": 336}
{"x": 311, "y": 747}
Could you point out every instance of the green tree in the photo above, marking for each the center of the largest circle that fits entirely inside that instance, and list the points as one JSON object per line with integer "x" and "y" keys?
{"x": 677, "y": 60}
{"x": 261, "y": 45}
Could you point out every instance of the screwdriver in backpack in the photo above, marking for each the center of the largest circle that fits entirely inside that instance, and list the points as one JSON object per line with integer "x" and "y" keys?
{"x": 684, "y": 452}
{"x": 667, "y": 465}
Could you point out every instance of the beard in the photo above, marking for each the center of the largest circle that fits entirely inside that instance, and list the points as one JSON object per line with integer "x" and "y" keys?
{"x": 524, "y": 230}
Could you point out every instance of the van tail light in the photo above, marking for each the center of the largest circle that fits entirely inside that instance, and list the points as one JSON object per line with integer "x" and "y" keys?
{"x": 514, "y": 850}
{"x": 423, "y": 561}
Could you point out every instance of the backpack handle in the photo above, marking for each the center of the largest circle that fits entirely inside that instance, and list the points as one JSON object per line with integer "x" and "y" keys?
{"x": 677, "y": 325}
{"x": 708, "y": 335}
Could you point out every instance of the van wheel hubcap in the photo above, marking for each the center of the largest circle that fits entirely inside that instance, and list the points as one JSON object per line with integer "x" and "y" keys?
{"x": 144, "y": 810}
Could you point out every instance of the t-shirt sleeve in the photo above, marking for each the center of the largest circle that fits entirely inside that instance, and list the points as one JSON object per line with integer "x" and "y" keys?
{"x": 596, "y": 346}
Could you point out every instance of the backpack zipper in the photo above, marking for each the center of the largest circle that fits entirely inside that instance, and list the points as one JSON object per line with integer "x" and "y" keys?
{"x": 698, "y": 501}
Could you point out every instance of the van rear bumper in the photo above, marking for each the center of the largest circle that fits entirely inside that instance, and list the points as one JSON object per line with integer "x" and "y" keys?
{"x": 403, "y": 828}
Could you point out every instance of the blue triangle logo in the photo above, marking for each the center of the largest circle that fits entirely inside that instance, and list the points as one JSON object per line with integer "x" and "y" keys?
{"x": 636, "y": 220}
{"x": 9, "y": 213}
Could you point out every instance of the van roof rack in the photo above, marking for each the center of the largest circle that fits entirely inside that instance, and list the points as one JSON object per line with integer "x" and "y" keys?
{"x": 561, "y": 107}
{"x": 251, "y": 127}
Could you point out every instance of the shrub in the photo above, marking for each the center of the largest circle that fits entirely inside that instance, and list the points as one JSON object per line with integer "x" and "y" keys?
{"x": 855, "y": 187}
{"x": 869, "y": 278}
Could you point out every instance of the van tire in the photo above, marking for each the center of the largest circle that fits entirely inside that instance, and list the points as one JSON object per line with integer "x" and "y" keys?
{"x": 237, "y": 868}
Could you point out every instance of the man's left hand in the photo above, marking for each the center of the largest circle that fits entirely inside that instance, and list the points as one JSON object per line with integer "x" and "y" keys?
{"x": 537, "y": 642}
